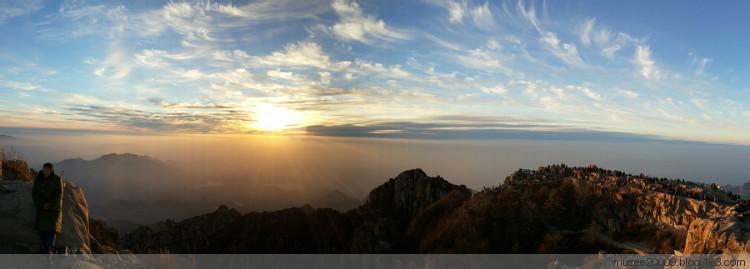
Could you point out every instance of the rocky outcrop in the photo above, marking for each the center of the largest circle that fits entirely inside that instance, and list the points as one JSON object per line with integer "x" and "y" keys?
{"x": 391, "y": 209}
{"x": 17, "y": 217}
{"x": 189, "y": 236}
{"x": 724, "y": 235}
{"x": 676, "y": 211}
{"x": 378, "y": 226}
{"x": 551, "y": 210}
{"x": 408, "y": 192}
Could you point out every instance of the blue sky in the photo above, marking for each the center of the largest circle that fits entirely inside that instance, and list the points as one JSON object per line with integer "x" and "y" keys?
{"x": 666, "y": 70}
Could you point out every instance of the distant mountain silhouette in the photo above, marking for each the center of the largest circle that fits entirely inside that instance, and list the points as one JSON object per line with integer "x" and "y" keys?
{"x": 133, "y": 189}
{"x": 555, "y": 209}
{"x": 743, "y": 190}
{"x": 119, "y": 176}
{"x": 113, "y": 178}
{"x": 334, "y": 199}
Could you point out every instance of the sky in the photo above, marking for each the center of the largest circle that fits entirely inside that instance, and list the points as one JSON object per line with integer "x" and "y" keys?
{"x": 572, "y": 70}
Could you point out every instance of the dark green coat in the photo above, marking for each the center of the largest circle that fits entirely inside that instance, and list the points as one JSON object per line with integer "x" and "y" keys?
{"x": 48, "y": 190}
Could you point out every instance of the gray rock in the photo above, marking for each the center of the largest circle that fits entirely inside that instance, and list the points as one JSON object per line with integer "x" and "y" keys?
{"x": 17, "y": 219}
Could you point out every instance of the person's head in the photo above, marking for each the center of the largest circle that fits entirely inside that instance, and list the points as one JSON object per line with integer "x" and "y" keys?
{"x": 47, "y": 169}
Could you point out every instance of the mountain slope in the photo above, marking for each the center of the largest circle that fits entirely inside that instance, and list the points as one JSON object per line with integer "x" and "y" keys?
{"x": 375, "y": 227}
{"x": 555, "y": 209}
{"x": 115, "y": 175}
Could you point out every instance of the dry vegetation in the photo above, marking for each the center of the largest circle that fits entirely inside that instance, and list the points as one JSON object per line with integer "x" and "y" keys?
{"x": 14, "y": 167}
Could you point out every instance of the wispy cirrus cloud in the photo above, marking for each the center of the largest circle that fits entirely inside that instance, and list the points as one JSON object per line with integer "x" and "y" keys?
{"x": 566, "y": 52}
{"x": 482, "y": 16}
{"x": 647, "y": 66}
{"x": 12, "y": 9}
{"x": 467, "y": 130}
{"x": 354, "y": 25}
{"x": 17, "y": 85}
{"x": 180, "y": 66}
{"x": 216, "y": 119}
{"x": 302, "y": 54}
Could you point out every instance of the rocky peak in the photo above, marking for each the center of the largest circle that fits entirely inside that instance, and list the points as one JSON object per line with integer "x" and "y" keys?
{"x": 411, "y": 174}
{"x": 408, "y": 192}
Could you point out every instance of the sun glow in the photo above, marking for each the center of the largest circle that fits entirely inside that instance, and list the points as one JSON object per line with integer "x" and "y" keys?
{"x": 272, "y": 118}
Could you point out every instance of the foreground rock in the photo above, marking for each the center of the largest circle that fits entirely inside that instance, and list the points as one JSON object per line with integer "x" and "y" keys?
{"x": 17, "y": 219}
{"x": 729, "y": 235}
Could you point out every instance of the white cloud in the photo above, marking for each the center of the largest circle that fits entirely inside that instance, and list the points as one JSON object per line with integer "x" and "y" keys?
{"x": 441, "y": 42}
{"x": 276, "y": 73}
{"x": 12, "y": 9}
{"x": 589, "y": 33}
{"x": 587, "y": 92}
{"x": 230, "y": 56}
{"x": 620, "y": 41}
{"x": 529, "y": 15}
{"x": 456, "y": 10}
{"x": 116, "y": 65}
{"x": 700, "y": 103}
{"x": 191, "y": 74}
{"x": 354, "y": 25}
{"x": 325, "y": 78}
{"x": 301, "y": 54}
{"x": 204, "y": 23}
{"x": 497, "y": 90}
{"x": 602, "y": 36}
{"x": 15, "y": 85}
{"x": 208, "y": 65}
{"x": 77, "y": 10}
{"x": 530, "y": 88}
{"x": 480, "y": 59}
{"x": 566, "y": 52}
{"x": 627, "y": 93}
{"x": 76, "y": 19}
{"x": 586, "y": 30}
{"x": 157, "y": 58}
{"x": 371, "y": 68}
{"x": 700, "y": 63}
{"x": 270, "y": 10}
{"x": 79, "y": 99}
{"x": 482, "y": 16}
{"x": 646, "y": 65}
{"x": 286, "y": 76}
{"x": 493, "y": 44}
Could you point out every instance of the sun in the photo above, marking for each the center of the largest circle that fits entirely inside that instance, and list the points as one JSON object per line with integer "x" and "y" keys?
{"x": 272, "y": 118}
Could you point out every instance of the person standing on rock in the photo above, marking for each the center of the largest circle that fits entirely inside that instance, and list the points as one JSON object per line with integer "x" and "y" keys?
{"x": 47, "y": 195}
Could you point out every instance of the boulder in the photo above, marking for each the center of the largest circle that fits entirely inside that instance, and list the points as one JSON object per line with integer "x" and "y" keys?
{"x": 17, "y": 219}
{"x": 719, "y": 235}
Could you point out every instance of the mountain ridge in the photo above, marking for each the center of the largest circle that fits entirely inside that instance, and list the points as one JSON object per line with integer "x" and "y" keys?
{"x": 554, "y": 209}
{"x": 144, "y": 189}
